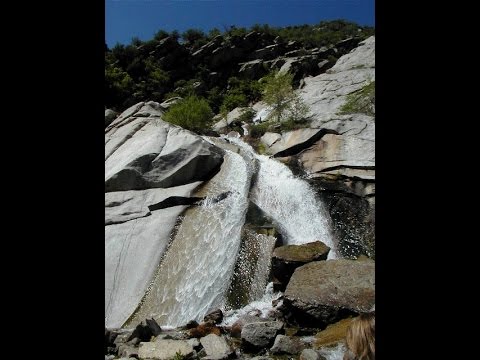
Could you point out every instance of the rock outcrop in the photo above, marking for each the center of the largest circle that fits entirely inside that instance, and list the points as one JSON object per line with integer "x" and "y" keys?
{"x": 289, "y": 257}
{"x": 322, "y": 292}
{"x": 147, "y": 161}
{"x": 260, "y": 334}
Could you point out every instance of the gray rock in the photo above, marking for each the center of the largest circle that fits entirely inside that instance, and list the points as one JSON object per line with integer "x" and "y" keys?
{"x": 362, "y": 56}
{"x": 133, "y": 250}
{"x": 340, "y": 155}
{"x": 167, "y": 103}
{"x": 134, "y": 341}
{"x": 123, "y": 206}
{"x": 287, "y": 258}
{"x": 279, "y": 143}
{"x": 123, "y": 337}
{"x": 260, "y": 334}
{"x": 232, "y": 116}
{"x": 194, "y": 342}
{"x": 215, "y": 316}
{"x": 237, "y": 326}
{"x": 164, "y": 349}
{"x": 326, "y": 93}
{"x": 252, "y": 69}
{"x": 127, "y": 351}
{"x": 110, "y": 115}
{"x": 150, "y": 109}
{"x": 270, "y": 138}
{"x": 321, "y": 291}
{"x": 215, "y": 346}
{"x": 158, "y": 155}
{"x": 286, "y": 345}
{"x": 310, "y": 354}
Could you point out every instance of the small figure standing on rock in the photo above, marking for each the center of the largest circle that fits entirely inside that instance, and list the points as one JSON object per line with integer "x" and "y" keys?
{"x": 360, "y": 339}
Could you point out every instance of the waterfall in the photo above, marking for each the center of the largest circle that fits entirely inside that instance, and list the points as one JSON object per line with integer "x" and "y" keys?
{"x": 196, "y": 270}
{"x": 198, "y": 267}
{"x": 290, "y": 201}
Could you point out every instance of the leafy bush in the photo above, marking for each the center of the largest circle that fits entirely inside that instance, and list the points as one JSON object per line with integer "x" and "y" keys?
{"x": 247, "y": 115}
{"x": 231, "y": 101}
{"x": 191, "y": 113}
{"x": 258, "y": 130}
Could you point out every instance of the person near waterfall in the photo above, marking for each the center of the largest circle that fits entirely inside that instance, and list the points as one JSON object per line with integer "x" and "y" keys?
{"x": 360, "y": 338}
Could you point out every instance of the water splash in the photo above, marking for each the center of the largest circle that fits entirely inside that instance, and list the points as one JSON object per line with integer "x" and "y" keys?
{"x": 290, "y": 201}
{"x": 262, "y": 307}
{"x": 252, "y": 269}
{"x": 333, "y": 353}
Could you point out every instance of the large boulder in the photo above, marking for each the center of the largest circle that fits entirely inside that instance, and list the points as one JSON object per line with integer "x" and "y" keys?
{"x": 287, "y": 258}
{"x": 286, "y": 345}
{"x": 215, "y": 346}
{"x": 158, "y": 155}
{"x": 164, "y": 349}
{"x": 323, "y": 292}
{"x": 259, "y": 335}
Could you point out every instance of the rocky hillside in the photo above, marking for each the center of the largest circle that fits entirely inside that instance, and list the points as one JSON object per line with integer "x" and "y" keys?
{"x": 221, "y": 66}
{"x": 155, "y": 171}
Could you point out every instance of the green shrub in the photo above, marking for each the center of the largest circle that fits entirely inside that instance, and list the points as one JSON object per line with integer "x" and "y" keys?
{"x": 191, "y": 113}
{"x": 231, "y": 101}
{"x": 247, "y": 115}
{"x": 257, "y": 130}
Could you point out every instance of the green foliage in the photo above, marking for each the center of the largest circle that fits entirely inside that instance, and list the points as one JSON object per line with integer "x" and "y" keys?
{"x": 161, "y": 34}
{"x": 278, "y": 92}
{"x": 194, "y": 38}
{"x": 179, "y": 356}
{"x": 233, "y": 100}
{"x": 214, "y": 32}
{"x": 191, "y": 113}
{"x": 184, "y": 88}
{"x": 140, "y": 71}
{"x": 118, "y": 85}
{"x": 361, "y": 101}
{"x": 246, "y": 115}
{"x": 224, "y": 114}
{"x": 258, "y": 130}
{"x": 215, "y": 98}
{"x": 297, "y": 110}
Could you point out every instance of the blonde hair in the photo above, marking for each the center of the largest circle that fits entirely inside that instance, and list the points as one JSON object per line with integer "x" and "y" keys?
{"x": 360, "y": 339}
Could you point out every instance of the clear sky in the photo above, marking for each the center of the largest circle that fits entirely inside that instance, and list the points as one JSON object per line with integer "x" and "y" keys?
{"x": 125, "y": 19}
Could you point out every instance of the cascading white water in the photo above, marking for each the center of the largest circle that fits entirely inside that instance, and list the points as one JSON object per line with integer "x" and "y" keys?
{"x": 197, "y": 268}
{"x": 290, "y": 202}
{"x": 333, "y": 353}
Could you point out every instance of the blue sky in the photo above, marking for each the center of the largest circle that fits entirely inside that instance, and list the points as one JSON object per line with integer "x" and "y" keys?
{"x": 125, "y": 19}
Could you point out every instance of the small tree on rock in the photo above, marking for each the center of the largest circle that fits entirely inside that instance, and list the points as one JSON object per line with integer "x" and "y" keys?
{"x": 279, "y": 95}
